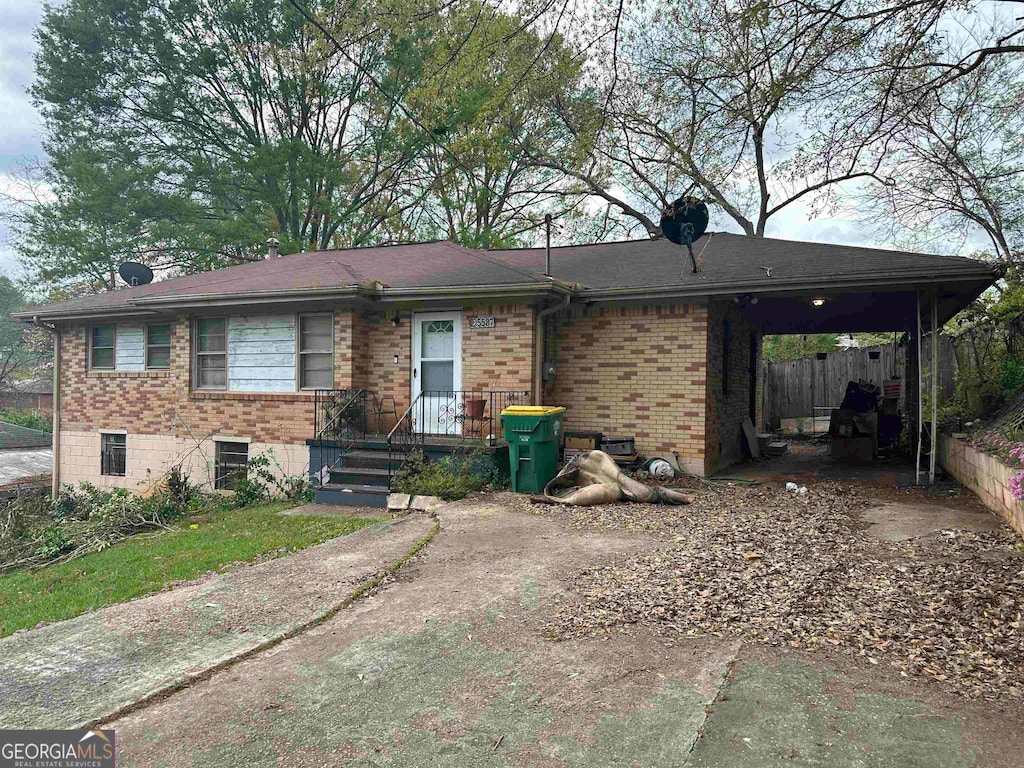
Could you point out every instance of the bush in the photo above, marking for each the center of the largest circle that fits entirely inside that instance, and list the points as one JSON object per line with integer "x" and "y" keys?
{"x": 451, "y": 478}
{"x": 26, "y": 419}
{"x": 1012, "y": 377}
{"x": 261, "y": 482}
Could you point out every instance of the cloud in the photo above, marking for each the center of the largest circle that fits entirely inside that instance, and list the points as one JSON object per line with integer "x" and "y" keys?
{"x": 21, "y": 130}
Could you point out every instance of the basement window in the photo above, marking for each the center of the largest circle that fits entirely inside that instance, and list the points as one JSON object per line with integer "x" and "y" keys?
{"x": 113, "y": 450}
{"x": 231, "y": 462}
{"x": 102, "y": 339}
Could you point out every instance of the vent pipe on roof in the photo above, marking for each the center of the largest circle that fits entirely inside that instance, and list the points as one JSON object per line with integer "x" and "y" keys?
{"x": 272, "y": 244}
{"x": 547, "y": 246}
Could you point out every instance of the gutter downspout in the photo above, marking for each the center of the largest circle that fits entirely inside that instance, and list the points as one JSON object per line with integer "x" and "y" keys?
{"x": 538, "y": 351}
{"x": 55, "y": 474}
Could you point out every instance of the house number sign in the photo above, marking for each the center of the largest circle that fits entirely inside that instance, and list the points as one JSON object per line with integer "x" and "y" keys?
{"x": 482, "y": 321}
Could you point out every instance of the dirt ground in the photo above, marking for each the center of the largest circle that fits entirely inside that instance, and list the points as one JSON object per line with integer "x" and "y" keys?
{"x": 459, "y": 662}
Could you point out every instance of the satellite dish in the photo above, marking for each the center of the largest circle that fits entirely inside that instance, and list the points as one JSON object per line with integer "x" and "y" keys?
{"x": 684, "y": 221}
{"x": 134, "y": 273}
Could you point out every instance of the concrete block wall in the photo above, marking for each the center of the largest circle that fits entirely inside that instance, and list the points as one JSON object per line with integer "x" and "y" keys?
{"x": 984, "y": 474}
{"x": 148, "y": 458}
{"x": 636, "y": 371}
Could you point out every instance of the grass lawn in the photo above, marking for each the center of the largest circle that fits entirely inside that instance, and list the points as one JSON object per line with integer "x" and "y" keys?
{"x": 148, "y": 562}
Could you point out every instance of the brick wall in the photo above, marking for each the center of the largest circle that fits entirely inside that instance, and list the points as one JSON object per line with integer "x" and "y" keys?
{"x": 163, "y": 404}
{"x": 636, "y": 371}
{"x": 728, "y": 396}
{"x": 498, "y": 358}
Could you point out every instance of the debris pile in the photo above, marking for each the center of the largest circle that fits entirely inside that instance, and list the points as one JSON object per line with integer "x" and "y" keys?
{"x": 796, "y": 570}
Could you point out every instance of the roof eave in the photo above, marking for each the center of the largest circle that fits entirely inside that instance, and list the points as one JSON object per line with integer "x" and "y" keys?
{"x": 891, "y": 282}
{"x": 523, "y": 290}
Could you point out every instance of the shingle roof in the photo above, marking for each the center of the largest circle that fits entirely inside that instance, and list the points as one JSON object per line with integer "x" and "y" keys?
{"x": 13, "y": 436}
{"x": 729, "y": 260}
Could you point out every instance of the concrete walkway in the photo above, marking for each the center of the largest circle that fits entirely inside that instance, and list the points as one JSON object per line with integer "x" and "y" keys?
{"x": 451, "y": 666}
{"x": 77, "y": 671}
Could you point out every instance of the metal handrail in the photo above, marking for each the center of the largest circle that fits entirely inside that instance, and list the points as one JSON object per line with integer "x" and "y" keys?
{"x": 341, "y": 411}
{"x": 405, "y": 415}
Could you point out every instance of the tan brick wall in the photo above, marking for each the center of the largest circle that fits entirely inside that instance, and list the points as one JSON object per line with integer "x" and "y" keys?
{"x": 498, "y": 358}
{"x": 727, "y": 409}
{"x": 636, "y": 371}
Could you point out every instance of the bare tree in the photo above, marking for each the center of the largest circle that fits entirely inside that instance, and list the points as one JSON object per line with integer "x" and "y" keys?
{"x": 928, "y": 44}
{"x": 956, "y": 166}
{"x": 753, "y": 107}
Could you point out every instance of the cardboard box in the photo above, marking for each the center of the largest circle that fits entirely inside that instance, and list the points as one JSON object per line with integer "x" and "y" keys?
{"x": 862, "y": 448}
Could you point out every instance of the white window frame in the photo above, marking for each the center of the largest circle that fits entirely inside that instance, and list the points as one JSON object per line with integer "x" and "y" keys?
{"x": 299, "y": 385}
{"x": 196, "y": 354}
{"x": 113, "y": 365}
{"x": 145, "y": 346}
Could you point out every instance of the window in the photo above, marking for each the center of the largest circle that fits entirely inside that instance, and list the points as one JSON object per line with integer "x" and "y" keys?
{"x": 112, "y": 454}
{"x": 231, "y": 463}
{"x": 101, "y": 347}
{"x": 158, "y": 347}
{"x": 316, "y": 352}
{"x": 211, "y": 353}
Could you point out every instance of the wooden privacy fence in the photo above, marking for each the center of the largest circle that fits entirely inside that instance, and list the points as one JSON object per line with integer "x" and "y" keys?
{"x": 794, "y": 388}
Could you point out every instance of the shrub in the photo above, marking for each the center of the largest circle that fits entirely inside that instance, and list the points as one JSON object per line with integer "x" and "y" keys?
{"x": 1012, "y": 377}
{"x": 261, "y": 482}
{"x": 29, "y": 419}
{"x": 450, "y": 478}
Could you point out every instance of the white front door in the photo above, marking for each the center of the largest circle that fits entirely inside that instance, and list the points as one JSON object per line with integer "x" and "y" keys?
{"x": 437, "y": 372}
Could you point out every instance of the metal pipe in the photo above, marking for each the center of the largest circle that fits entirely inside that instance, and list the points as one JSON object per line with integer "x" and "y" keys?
{"x": 538, "y": 351}
{"x": 917, "y": 463}
{"x": 55, "y": 424}
{"x": 935, "y": 388}
{"x": 547, "y": 245}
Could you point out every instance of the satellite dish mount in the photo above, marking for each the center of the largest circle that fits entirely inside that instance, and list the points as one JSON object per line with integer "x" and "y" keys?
{"x": 684, "y": 221}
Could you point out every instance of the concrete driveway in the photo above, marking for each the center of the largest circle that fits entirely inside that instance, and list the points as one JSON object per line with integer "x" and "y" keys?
{"x": 451, "y": 666}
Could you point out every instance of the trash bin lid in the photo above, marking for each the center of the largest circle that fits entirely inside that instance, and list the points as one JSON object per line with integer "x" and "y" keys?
{"x": 533, "y": 410}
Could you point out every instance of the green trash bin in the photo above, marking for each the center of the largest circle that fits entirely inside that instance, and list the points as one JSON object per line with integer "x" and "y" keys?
{"x": 533, "y": 433}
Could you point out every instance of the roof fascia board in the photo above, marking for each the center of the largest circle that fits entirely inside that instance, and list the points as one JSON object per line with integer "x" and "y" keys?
{"x": 790, "y": 286}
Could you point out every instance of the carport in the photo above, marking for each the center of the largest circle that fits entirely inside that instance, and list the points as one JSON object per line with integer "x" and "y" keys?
{"x": 897, "y": 300}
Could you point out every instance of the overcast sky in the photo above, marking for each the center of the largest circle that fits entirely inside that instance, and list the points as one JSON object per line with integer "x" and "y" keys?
{"x": 21, "y": 132}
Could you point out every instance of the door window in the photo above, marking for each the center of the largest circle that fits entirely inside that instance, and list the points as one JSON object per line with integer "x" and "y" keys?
{"x": 437, "y": 355}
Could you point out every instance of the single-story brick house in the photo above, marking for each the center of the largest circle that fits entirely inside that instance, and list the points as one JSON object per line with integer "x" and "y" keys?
{"x": 207, "y": 369}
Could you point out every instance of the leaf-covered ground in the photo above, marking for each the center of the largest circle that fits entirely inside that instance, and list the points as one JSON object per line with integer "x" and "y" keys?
{"x": 798, "y": 570}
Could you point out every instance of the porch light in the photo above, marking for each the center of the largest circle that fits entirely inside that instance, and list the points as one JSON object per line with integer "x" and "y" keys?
{"x": 818, "y": 302}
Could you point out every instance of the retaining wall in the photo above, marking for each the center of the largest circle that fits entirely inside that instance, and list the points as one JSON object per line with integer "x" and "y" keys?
{"x": 984, "y": 474}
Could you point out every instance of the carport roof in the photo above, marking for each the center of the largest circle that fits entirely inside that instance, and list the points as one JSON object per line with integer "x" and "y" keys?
{"x": 625, "y": 271}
